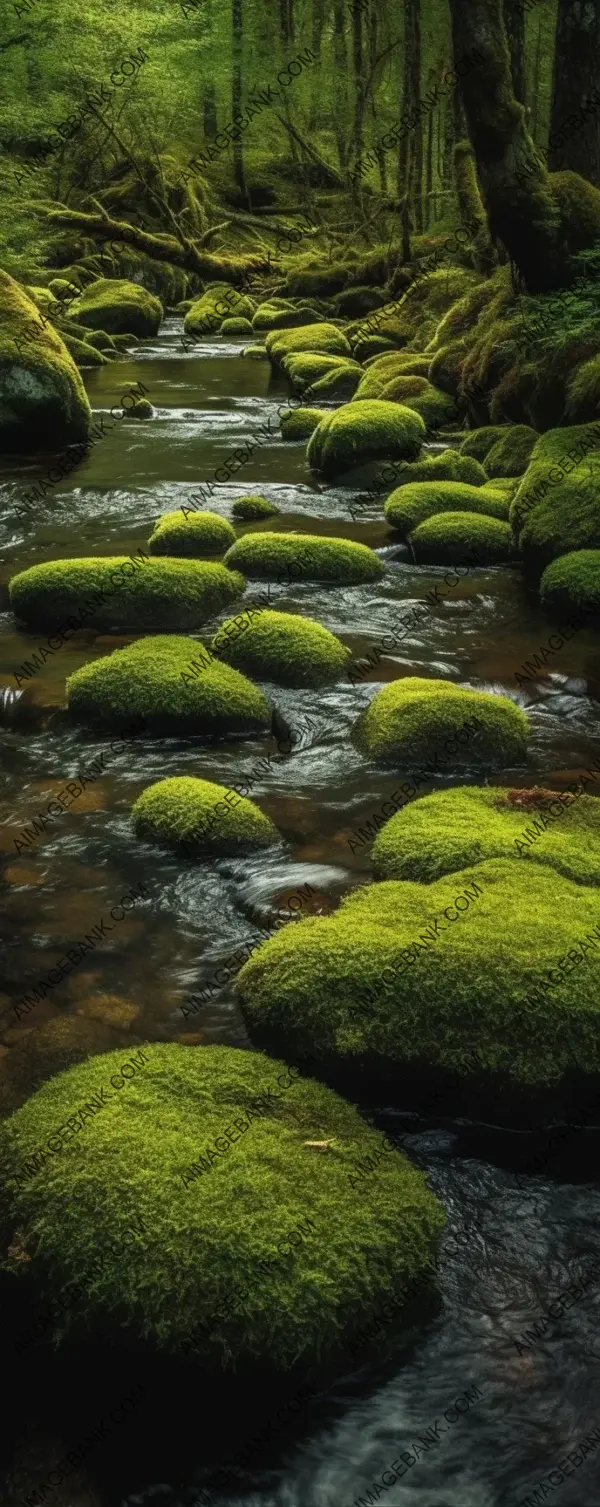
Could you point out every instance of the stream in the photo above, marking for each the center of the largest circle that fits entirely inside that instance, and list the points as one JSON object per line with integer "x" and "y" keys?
{"x": 514, "y": 1243}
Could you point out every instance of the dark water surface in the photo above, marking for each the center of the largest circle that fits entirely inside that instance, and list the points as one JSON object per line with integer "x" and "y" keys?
{"x": 522, "y": 1240}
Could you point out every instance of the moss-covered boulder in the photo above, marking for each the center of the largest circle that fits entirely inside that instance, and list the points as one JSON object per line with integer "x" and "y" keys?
{"x": 255, "y": 353}
{"x": 583, "y": 391}
{"x": 304, "y": 557}
{"x": 354, "y": 302}
{"x": 236, "y": 326}
{"x": 219, "y": 302}
{"x": 141, "y": 409}
{"x": 361, "y": 433}
{"x": 281, "y": 646}
{"x": 43, "y": 403}
{"x": 510, "y": 455}
{"x": 567, "y": 519}
{"x": 337, "y": 386}
{"x": 249, "y": 508}
{"x": 84, "y": 355}
{"x": 411, "y": 503}
{"x": 447, "y": 538}
{"x": 437, "y": 408}
{"x": 570, "y": 586}
{"x": 412, "y": 721}
{"x": 200, "y": 817}
{"x": 173, "y": 685}
{"x": 560, "y": 457}
{"x": 364, "y": 348}
{"x": 116, "y": 593}
{"x": 195, "y": 534}
{"x": 479, "y": 442}
{"x": 380, "y": 374}
{"x": 252, "y": 1256}
{"x": 118, "y": 306}
{"x": 47, "y": 1049}
{"x": 306, "y": 369}
{"x": 299, "y": 423}
{"x": 448, "y": 465}
{"x": 474, "y": 1002}
{"x": 453, "y": 829}
{"x": 324, "y": 339}
{"x": 268, "y": 318}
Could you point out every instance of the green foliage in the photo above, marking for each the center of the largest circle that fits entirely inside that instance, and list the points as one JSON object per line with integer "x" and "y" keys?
{"x": 304, "y": 557}
{"x": 454, "y": 829}
{"x": 447, "y": 538}
{"x": 167, "y": 682}
{"x": 174, "y": 593}
{"x": 571, "y": 585}
{"x": 412, "y": 720}
{"x": 185, "y": 812}
{"x": 202, "y": 533}
{"x": 118, "y": 307}
{"x": 342, "y": 986}
{"x": 362, "y": 432}
{"x": 410, "y": 504}
{"x": 280, "y": 646}
{"x": 220, "y": 1232}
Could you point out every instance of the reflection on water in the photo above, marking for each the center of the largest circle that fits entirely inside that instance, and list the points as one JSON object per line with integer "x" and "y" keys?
{"x": 522, "y": 1243}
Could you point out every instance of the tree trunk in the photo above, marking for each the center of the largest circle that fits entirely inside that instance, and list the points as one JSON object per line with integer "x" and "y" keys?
{"x": 341, "y": 74}
{"x": 316, "y": 80}
{"x": 514, "y": 20}
{"x": 521, "y": 208}
{"x": 359, "y": 67}
{"x": 470, "y": 206}
{"x": 575, "y": 135}
{"x": 236, "y": 98}
{"x": 410, "y": 149}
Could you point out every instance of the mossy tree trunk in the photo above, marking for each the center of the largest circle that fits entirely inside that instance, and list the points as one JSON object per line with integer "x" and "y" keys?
{"x": 470, "y": 206}
{"x": 236, "y": 97}
{"x": 514, "y": 19}
{"x": 575, "y": 119}
{"x": 410, "y": 148}
{"x": 340, "y": 63}
{"x": 516, "y": 188}
{"x": 359, "y": 68}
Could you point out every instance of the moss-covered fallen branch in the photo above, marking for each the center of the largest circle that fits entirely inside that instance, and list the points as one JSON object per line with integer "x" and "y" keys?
{"x": 164, "y": 248}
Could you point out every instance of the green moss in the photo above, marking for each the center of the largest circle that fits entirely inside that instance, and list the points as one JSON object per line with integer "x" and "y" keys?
{"x": 100, "y": 341}
{"x": 269, "y": 318}
{"x": 510, "y": 455}
{"x": 196, "y": 534}
{"x": 172, "y": 685}
{"x": 337, "y": 386}
{"x": 364, "y": 349}
{"x": 291, "y": 650}
{"x": 423, "y": 304}
{"x": 248, "y": 508}
{"x": 255, "y": 353}
{"x": 141, "y": 409}
{"x": 448, "y": 465}
{"x": 43, "y": 403}
{"x": 45, "y": 1050}
{"x": 446, "y": 538}
{"x": 219, "y": 302}
{"x": 304, "y": 369}
{"x": 323, "y": 339}
{"x": 174, "y": 593}
{"x": 241, "y": 1227}
{"x": 185, "y": 812}
{"x": 445, "y": 370}
{"x": 479, "y": 442}
{"x": 453, "y": 829}
{"x": 360, "y": 433}
{"x": 583, "y": 392}
{"x": 409, "y": 505}
{"x": 386, "y": 369}
{"x": 236, "y": 326}
{"x": 553, "y": 456}
{"x": 304, "y": 557}
{"x": 342, "y": 987}
{"x": 412, "y": 719}
{"x": 354, "y": 302}
{"x": 83, "y": 354}
{"x": 118, "y": 306}
{"x": 437, "y": 408}
{"x": 571, "y": 585}
{"x": 567, "y": 519}
{"x": 299, "y": 423}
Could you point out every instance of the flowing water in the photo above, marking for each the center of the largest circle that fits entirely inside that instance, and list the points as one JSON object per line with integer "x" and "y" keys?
{"x": 519, "y": 1240}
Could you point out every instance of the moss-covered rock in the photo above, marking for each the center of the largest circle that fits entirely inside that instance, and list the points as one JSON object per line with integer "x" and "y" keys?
{"x": 100, "y": 341}
{"x": 201, "y": 817}
{"x": 337, "y": 386}
{"x": 445, "y": 370}
{"x": 299, "y": 423}
{"x": 248, "y": 508}
{"x": 219, "y": 302}
{"x": 48, "y": 1049}
{"x": 253, "y": 1257}
{"x": 255, "y": 353}
{"x": 364, "y": 348}
{"x": 360, "y": 433}
{"x": 279, "y": 646}
{"x": 306, "y": 369}
{"x": 510, "y": 455}
{"x": 558, "y": 456}
{"x": 304, "y": 557}
{"x": 118, "y": 306}
{"x": 43, "y": 403}
{"x": 173, "y": 685}
{"x": 388, "y": 369}
{"x": 269, "y": 318}
{"x": 411, "y": 503}
{"x": 323, "y": 339}
{"x": 84, "y": 355}
{"x": 118, "y": 594}
{"x": 437, "y": 408}
{"x": 354, "y": 302}
{"x": 570, "y": 586}
{"x": 447, "y": 538}
{"x": 583, "y": 392}
{"x": 567, "y": 519}
{"x": 448, "y": 465}
{"x": 141, "y": 409}
{"x": 412, "y": 720}
{"x": 479, "y": 442}
{"x": 453, "y": 829}
{"x": 468, "y": 1001}
{"x": 197, "y": 534}
{"x": 236, "y": 326}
